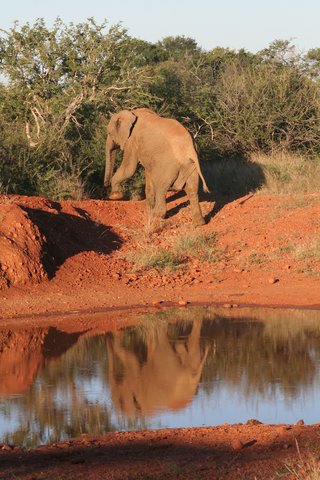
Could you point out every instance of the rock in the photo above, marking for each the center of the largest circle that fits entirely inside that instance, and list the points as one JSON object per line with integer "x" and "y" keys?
{"x": 300, "y": 422}
{"x": 227, "y": 305}
{"x": 182, "y": 302}
{"x": 6, "y": 447}
{"x": 273, "y": 280}
{"x": 236, "y": 444}
{"x": 253, "y": 421}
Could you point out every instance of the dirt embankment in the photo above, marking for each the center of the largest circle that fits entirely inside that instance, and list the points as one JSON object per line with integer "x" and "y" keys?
{"x": 73, "y": 255}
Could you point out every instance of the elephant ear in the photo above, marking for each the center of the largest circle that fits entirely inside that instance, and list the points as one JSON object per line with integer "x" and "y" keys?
{"x": 123, "y": 126}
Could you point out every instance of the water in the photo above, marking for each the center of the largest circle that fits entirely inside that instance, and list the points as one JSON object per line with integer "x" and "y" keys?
{"x": 178, "y": 368}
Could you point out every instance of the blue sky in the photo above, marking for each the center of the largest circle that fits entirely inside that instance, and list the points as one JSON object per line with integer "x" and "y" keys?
{"x": 251, "y": 24}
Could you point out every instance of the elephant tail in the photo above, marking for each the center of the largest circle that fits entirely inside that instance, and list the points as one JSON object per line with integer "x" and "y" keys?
{"x": 205, "y": 186}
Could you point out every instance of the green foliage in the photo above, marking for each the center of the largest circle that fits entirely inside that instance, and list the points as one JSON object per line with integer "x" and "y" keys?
{"x": 263, "y": 108}
{"x": 62, "y": 83}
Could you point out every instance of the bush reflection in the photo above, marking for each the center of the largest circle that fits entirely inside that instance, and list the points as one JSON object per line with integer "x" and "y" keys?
{"x": 55, "y": 385}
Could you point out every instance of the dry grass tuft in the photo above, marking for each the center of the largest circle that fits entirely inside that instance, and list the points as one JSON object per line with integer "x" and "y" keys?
{"x": 289, "y": 173}
{"x": 197, "y": 245}
{"x": 149, "y": 257}
{"x": 306, "y": 468}
{"x": 176, "y": 252}
{"x": 308, "y": 250}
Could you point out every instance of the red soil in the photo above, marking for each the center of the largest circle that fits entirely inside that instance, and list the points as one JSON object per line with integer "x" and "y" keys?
{"x": 69, "y": 256}
{"x": 267, "y": 254}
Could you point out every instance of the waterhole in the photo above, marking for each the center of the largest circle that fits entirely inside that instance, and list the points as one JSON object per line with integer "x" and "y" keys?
{"x": 174, "y": 368}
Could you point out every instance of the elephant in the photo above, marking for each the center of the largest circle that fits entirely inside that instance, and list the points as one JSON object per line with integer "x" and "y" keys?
{"x": 165, "y": 149}
{"x": 167, "y": 378}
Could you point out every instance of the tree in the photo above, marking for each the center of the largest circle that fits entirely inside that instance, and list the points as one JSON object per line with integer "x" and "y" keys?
{"x": 65, "y": 81}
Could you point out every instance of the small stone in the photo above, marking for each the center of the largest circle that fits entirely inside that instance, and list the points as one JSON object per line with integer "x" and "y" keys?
{"x": 238, "y": 270}
{"x": 273, "y": 280}
{"x": 182, "y": 302}
{"x": 253, "y": 421}
{"x": 236, "y": 444}
{"x": 157, "y": 302}
{"x": 227, "y": 305}
{"x": 6, "y": 447}
{"x": 300, "y": 422}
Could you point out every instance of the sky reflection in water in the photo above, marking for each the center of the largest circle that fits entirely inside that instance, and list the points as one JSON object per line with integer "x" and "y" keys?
{"x": 190, "y": 367}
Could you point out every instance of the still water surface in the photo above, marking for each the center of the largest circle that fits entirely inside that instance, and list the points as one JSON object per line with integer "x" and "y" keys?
{"x": 173, "y": 369}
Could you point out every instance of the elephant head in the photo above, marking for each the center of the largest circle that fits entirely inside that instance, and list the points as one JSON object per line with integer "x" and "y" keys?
{"x": 118, "y": 132}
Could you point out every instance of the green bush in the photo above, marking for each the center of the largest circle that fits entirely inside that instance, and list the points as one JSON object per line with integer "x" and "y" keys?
{"x": 62, "y": 83}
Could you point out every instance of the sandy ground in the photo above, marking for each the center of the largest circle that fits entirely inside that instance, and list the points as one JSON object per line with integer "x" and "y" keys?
{"x": 73, "y": 257}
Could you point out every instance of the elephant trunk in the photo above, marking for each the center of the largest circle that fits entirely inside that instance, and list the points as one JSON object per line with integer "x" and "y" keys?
{"x": 111, "y": 152}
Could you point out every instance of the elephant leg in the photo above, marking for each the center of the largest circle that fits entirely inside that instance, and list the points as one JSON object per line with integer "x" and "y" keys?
{"x": 126, "y": 170}
{"x": 191, "y": 189}
{"x": 150, "y": 193}
{"x": 160, "y": 208}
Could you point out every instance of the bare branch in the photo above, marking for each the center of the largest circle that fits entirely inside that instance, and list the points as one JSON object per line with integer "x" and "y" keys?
{"x": 32, "y": 144}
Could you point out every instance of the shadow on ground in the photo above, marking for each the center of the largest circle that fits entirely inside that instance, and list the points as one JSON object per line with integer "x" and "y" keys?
{"x": 163, "y": 457}
{"x": 66, "y": 235}
{"x": 228, "y": 180}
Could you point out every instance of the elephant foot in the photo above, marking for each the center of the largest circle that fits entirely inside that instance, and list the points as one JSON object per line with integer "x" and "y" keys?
{"x": 115, "y": 196}
{"x": 198, "y": 222}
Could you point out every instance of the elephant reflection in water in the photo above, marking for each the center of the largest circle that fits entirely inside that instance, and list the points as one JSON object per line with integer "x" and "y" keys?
{"x": 168, "y": 378}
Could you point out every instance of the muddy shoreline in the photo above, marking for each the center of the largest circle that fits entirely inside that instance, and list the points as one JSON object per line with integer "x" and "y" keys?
{"x": 227, "y": 451}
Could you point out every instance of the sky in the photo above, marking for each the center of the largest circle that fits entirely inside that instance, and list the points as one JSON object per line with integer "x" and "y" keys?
{"x": 249, "y": 24}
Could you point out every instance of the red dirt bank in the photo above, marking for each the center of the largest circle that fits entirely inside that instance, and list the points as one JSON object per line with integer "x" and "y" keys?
{"x": 80, "y": 245}
{"x": 61, "y": 257}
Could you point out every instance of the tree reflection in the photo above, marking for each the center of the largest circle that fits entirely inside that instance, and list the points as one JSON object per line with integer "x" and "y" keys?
{"x": 50, "y": 405}
{"x": 253, "y": 358}
{"x": 57, "y": 385}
